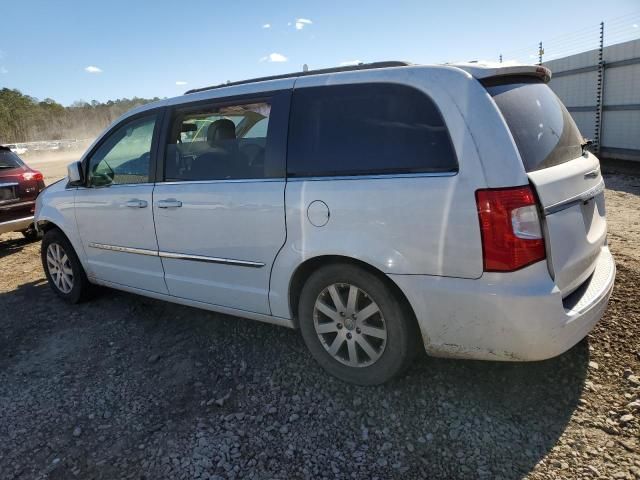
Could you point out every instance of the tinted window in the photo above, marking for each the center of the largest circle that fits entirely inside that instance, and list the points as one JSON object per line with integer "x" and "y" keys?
{"x": 366, "y": 129}
{"x": 8, "y": 159}
{"x": 124, "y": 156}
{"x": 541, "y": 126}
{"x": 218, "y": 143}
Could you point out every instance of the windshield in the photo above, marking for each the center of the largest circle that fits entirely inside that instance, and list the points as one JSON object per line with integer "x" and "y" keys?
{"x": 8, "y": 159}
{"x": 541, "y": 126}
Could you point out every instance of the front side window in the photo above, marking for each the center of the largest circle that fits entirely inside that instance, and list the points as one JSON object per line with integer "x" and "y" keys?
{"x": 124, "y": 157}
{"x": 367, "y": 129}
{"x": 218, "y": 143}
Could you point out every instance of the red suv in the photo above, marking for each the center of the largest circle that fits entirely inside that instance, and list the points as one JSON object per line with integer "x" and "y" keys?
{"x": 19, "y": 187}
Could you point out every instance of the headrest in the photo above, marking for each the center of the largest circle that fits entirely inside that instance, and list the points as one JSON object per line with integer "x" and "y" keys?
{"x": 221, "y": 130}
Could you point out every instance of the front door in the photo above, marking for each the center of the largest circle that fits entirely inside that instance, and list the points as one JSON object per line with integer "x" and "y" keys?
{"x": 219, "y": 214}
{"x": 114, "y": 210}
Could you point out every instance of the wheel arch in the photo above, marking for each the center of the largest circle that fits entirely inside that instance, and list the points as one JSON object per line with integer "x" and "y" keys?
{"x": 311, "y": 265}
{"x": 45, "y": 225}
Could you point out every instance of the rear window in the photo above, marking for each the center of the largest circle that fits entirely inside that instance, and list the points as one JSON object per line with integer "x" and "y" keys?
{"x": 8, "y": 159}
{"x": 541, "y": 126}
{"x": 366, "y": 129}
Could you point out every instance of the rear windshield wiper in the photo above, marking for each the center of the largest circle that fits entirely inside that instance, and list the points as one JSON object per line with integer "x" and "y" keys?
{"x": 586, "y": 145}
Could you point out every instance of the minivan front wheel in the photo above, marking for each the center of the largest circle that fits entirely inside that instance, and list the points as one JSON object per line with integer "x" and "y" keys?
{"x": 62, "y": 267}
{"x": 355, "y": 326}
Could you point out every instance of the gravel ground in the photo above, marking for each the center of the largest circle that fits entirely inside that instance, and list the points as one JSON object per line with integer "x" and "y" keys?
{"x": 128, "y": 387}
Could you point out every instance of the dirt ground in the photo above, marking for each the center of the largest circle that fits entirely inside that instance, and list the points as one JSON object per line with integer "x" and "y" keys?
{"x": 128, "y": 387}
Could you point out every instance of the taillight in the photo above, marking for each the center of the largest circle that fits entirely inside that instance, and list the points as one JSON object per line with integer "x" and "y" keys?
{"x": 32, "y": 175}
{"x": 510, "y": 228}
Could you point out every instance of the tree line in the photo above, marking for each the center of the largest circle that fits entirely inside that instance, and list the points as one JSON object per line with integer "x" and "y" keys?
{"x": 25, "y": 119}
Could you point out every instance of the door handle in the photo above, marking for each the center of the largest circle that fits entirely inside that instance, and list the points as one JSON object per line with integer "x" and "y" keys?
{"x": 135, "y": 203}
{"x": 169, "y": 203}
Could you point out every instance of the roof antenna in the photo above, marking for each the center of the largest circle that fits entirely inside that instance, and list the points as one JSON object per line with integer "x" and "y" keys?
{"x": 305, "y": 68}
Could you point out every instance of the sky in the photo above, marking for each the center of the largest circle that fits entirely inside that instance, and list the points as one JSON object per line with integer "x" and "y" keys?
{"x": 85, "y": 50}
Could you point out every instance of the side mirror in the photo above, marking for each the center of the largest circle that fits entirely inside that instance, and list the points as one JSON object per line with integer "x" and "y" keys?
{"x": 74, "y": 172}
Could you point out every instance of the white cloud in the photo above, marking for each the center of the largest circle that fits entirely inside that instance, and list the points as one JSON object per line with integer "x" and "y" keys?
{"x": 302, "y": 22}
{"x": 349, "y": 63}
{"x": 93, "y": 69}
{"x": 635, "y": 25}
{"x": 180, "y": 82}
{"x": 274, "y": 57}
{"x": 266, "y": 25}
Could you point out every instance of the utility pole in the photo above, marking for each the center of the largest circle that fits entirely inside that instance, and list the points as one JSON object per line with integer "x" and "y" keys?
{"x": 599, "y": 93}
{"x": 540, "y": 53}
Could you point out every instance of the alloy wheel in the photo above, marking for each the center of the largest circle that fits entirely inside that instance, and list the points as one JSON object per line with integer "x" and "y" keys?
{"x": 60, "y": 268}
{"x": 350, "y": 325}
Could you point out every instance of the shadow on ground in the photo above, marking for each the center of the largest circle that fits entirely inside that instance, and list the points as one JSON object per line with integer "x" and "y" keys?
{"x": 11, "y": 245}
{"x": 160, "y": 390}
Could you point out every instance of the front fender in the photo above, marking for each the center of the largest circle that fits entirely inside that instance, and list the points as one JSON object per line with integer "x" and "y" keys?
{"x": 55, "y": 207}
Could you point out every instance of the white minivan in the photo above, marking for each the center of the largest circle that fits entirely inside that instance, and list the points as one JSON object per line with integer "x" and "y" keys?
{"x": 377, "y": 208}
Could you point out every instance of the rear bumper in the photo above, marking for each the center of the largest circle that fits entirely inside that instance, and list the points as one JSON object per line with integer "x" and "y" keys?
{"x": 518, "y": 316}
{"x": 16, "y": 225}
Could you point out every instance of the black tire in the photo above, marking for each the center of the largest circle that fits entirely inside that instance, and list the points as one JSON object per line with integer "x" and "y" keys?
{"x": 401, "y": 330}
{"x": 31, "y": 234}
{"x": 80, "y": 285}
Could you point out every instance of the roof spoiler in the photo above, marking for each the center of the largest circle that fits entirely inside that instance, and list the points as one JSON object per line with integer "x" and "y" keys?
{"x": 483, "y": 71}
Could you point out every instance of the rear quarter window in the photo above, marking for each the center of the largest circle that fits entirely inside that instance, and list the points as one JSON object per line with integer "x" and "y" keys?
{"x": 365, "y": 129}
{"x": 541, "y": 126}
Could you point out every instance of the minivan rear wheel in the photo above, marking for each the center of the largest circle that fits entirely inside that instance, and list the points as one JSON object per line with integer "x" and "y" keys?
{"x": 355, "y": 325}
{"x": 62, "y": 267}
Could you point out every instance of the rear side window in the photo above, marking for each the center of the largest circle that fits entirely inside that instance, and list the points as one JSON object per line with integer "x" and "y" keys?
{"x": 228, "y": 140}
{"x": 8, "y": 159}
{"x": 541, "y": 126}
{"x": 366, "y": 129}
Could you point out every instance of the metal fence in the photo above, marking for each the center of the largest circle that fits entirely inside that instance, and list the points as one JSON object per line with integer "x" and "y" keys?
{"x": 596, "y": 73}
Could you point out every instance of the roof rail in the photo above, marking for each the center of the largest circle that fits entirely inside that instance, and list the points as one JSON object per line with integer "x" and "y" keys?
{"x": 349, "y": 68}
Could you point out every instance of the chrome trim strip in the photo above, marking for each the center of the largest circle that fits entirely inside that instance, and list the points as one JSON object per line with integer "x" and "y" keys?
{"x": 201, "y": 258}
{"x": 312, "y": 179}
{"x": 11, "y": 184}
{"x": 116, "y": 248}
{"x": 234, "y": 180}
{"x": 576, "y": 199}
{"x": 115, "y": 185}
{"x": 177, "y": 256}
{"x": 373, "y": 176}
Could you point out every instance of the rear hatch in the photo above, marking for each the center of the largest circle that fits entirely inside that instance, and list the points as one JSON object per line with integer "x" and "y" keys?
{"x": 567, "y": 181}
